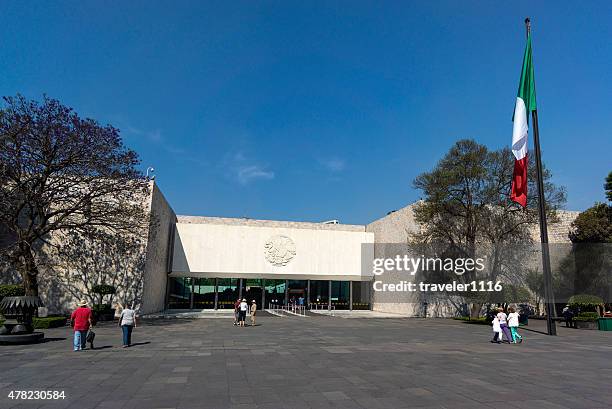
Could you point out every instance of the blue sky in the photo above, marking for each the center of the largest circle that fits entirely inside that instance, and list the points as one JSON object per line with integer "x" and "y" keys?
{"x": 317, "y": 110}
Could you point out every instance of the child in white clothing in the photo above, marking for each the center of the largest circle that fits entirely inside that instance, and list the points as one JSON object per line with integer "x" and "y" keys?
{"x": 497, "y": 331}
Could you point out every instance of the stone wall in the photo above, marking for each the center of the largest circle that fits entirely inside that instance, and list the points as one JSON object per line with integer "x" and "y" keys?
{"x": 126, "y": 264}
{"x": 141, "y": 275}
{"x": 557, "y": 232}
{"x": 395, "y": 227}
{"x": 157, "y": 253}
{"x": 398, "y": 226}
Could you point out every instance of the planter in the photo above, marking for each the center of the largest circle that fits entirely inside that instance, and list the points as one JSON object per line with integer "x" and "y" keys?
{"x": 605, "y": 324}
{"x": 19, "y": 313}
{"x": 586, "y": 324}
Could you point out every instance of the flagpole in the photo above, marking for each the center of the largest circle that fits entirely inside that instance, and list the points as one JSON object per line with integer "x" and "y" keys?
{"x": 548, "y": 288}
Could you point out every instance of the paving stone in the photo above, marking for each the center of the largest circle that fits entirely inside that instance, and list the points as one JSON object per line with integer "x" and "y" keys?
{"x": 317, "y": 362}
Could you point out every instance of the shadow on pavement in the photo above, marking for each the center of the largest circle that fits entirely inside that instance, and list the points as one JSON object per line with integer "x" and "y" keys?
{"x": 156, "y": 322}
{"x": 140, "y": 343}
{"x": 42, "y": 341}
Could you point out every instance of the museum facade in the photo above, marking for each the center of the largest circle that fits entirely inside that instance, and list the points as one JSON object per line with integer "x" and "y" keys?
{"x": 196, "y": 262}
{"x": 207, "y": 263}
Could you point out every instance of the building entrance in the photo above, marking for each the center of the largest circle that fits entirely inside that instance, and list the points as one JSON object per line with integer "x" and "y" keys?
{"x": 274, "y": 292}
{"x": 298, "y": 292}
{"x": 221, "y": 293}
{"x": 253, "y": 289}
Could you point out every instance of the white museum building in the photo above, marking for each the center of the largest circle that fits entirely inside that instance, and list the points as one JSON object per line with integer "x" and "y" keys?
{"x": 196, "y": 262}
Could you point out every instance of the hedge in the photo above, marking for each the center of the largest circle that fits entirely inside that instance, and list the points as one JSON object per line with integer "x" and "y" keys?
{"x": 586, "y": 316}
{"x": 47, "y": 322}
{"x": 585, "y": 301}
{"x": 478, "y": 321}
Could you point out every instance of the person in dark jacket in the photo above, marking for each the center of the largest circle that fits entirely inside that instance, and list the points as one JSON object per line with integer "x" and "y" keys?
{"x": 568, "y": 314}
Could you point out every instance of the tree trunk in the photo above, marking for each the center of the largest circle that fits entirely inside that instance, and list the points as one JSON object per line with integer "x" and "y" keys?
{"x": 29, "y": 271}
{"x": 475, "y": 311}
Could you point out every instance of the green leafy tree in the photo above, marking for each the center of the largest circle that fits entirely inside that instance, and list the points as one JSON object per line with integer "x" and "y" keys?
{"x": 608, "y": 186}
{"x": 466, "y": 208}
{"x": 587, "y": 267}
{"x": 594, "y": 225}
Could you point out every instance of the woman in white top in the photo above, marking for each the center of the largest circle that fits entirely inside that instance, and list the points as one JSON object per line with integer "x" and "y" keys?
{"x": 127, "y": 322}
{"x": 513, "y": 323}
{"x": 242, "y": 310}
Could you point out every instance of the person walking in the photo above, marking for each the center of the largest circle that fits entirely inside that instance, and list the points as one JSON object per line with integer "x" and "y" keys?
{"x": 513, "y": 323}
{"x": 502, "y": 317}
{"x": 497, "y": 332}
{"x": 127, "y": 322}
{"x": 568, "y": 314}
{"x": 236, "y": 311}
{"x": 80, "y": 319}
{"x": 243, "y": 307}
{"x": 253, "y": 312}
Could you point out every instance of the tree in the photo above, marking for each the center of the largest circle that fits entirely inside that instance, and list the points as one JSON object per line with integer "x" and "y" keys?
{"x": 594, "y": 225}
{"x": 60, "y": 173}
{"x": 535, "y": 284}
{"x": 586, "y": 269}
{"x": 608, "y": 186}
{"x": 466, "y": 207}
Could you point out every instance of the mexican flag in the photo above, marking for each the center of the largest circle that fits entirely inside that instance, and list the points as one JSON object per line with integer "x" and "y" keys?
{"x": 525, "y": 104}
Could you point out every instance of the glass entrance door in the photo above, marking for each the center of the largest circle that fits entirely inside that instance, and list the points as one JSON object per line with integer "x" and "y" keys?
{"x": 204, "y": 293}
{"x": 179, "y": 293}
{"x": 319, "y": 293}
{"x": 275, "y": 292}
{"x": 253, "y": 290}
{"x": 228, "y": 292}
{"x": 297, "y": 292}
{"x": 340, "y": 295}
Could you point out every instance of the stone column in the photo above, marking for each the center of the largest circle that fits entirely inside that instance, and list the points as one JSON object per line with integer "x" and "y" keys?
{"x": 350, "y": 295}
{"x": 329, "y": 293}
{"x": 216, "y": 293}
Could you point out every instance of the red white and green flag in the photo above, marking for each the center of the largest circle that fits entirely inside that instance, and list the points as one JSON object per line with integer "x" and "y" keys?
{"x": 525, "y": 104}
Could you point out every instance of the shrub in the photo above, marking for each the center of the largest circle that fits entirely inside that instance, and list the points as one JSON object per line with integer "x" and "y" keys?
{"x": 478, "y": 321}
{"x": 46, "y": 323}
{"x": 104, "y": 289}
{"x": 11, "y": 290}
{"x": 586, "y": 316}
{"x": 585, "y": 302}
{"x": 49, "y": 322}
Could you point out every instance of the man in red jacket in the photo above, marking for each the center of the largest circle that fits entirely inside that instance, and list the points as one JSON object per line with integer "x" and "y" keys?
{"x": 81, "y": 321}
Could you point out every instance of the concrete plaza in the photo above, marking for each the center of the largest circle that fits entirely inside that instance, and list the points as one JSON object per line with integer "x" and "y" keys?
{"x": 314, "y": 362}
